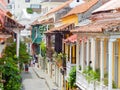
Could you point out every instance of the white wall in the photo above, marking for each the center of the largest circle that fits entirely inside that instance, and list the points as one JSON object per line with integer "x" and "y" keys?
{"x": 21, "y": 4}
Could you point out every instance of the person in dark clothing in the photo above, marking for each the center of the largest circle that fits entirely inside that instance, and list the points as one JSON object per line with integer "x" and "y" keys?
{"x": 26, "y": 67}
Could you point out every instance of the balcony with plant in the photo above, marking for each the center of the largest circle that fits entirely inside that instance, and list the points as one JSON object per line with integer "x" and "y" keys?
{"x": 59, "y": 58}
{"x": 90, "y": 79}
{"x": 29, "y": 10}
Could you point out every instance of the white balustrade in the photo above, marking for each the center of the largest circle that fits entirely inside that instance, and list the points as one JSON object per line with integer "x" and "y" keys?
{"x": 68, "y": 68}
{"x": 84, "y": 85}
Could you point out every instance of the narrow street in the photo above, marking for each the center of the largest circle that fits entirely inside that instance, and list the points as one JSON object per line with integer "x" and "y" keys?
{"x": 31, "y": 81}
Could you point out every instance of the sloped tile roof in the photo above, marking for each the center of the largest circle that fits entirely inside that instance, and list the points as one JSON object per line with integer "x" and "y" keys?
{"x": 101, "y": 16}
{"x": 111, "y": 5}
{"x": 4, "y": 14}
{"x": 82, "y": 7}
{"x": 71, "y": 39}
{"x": 35, "y": 22}
{"x": 60, "y": 28}
{"x": 97, "y": 27}
{"x": 59, "y": 7}
{"x": 47, "y": 21}
{"x": 4, "y": 36}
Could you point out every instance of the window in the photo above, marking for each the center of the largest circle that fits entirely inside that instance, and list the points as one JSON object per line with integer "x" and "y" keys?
{"x": 9, "y": 7}
{"x": 35, "y": 6}
{"x": 27, "y": 0}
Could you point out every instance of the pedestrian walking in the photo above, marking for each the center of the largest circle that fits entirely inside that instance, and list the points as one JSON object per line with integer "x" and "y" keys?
{"x": 26, "y": 67}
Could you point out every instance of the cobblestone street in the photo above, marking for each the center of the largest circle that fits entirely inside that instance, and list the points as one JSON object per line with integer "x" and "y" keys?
{"x": 30, "y": 81}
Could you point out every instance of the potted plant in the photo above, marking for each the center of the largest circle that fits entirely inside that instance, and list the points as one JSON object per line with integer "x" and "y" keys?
{"x": 60, "y": 58}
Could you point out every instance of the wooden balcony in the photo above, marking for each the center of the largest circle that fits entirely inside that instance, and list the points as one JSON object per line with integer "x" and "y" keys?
{"x": 82, "y": 83}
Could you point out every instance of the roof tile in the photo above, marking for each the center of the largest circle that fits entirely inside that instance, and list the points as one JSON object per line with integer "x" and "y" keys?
{"x": 96, "y": 27}
{"x": 82, "y": 7}
{"x": 59, "y": 7}
{"x": 72, "y": 39}
{"x": 111, "y": 5}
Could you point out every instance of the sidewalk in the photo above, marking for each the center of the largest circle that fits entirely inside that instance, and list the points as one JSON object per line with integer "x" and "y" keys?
{"x": 41, "y": 74}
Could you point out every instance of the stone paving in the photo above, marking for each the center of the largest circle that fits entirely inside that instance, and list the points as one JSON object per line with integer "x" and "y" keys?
{"x": 49, "y": 81}
{"x": 31, "y": 81}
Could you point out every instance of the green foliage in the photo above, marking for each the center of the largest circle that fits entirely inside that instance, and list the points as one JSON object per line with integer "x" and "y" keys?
{"x": 29, "y": 10}
{"x": 24, "y": 57}
{"x": 42, "y": 29}
{"x": 72, "y": 77}
{"x": 12, "y": 76}
{"x": 9, "y": 66}
{"x": 1, "y": 86}
{"x": 43, "y": 49}
{"x": 91, "y": 75}
{"x": 59, "y": 56}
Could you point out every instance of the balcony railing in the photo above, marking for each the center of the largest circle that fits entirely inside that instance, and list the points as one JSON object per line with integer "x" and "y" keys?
{"x": 81, "y": 80}
{"x": 84, "y": 85}
{"x": 68, "y": 68}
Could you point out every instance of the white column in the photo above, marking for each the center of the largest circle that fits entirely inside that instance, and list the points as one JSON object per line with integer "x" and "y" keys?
{"x": 101, "y": 62}
{"x": 70, "y": 53}
{"x": 93, "y": 47}
{"x": 82, "y": 55}
{"x": 110, "y": 51}
{"x": 77, "y": 56}
{"x": 87, "y": 52}
{"x": 18, "y": 43}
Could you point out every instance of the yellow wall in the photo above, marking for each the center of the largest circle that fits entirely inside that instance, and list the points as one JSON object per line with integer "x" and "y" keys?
{"x": 73, "y": 54}
{"x": 113, "y": 61}
{"x": 119, "y": 65}
{"x": 70, "y": 19}
{"x": 105, "y": 55}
